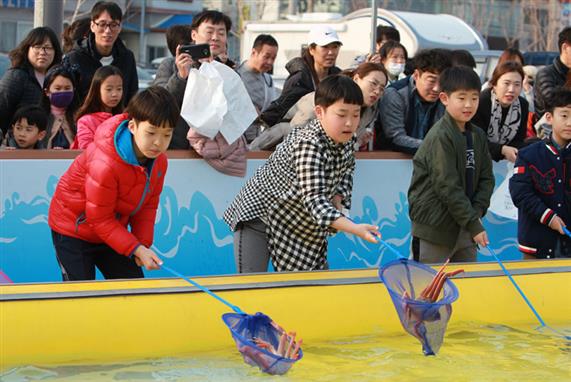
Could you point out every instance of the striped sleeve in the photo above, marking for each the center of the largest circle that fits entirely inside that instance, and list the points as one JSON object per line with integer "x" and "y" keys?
{"x": 547, "y": 216}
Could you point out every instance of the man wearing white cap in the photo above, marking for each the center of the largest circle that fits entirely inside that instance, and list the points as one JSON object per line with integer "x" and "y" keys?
{"x": 305, "y": 72}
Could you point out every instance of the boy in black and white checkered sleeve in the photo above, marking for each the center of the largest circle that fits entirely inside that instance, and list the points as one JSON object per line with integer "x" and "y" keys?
{"x": 295, "y": 200}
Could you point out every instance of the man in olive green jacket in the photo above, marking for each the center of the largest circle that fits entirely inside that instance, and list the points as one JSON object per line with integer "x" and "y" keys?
{"x": 452, "y": 179}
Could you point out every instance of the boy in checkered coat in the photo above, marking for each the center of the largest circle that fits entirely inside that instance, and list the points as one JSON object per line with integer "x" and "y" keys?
{"x": 541, "y": 186}
{"x": 295, "y": 200}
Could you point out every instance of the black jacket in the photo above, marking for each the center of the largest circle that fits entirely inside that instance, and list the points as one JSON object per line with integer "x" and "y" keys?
{"x": 547, "y": 80}
{"x": 87, "y": 59}
{"x": 540, "y": 190}
{"x": 482, "y": 120}
{"x": 298, "y": 84}
{"x": 19, "y": 87}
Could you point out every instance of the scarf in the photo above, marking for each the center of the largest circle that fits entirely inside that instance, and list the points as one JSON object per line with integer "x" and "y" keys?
{"x": 59, "y": 125}
{"x": 504, "y": 133}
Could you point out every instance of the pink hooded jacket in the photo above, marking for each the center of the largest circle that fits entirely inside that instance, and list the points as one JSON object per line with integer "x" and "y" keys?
{"x": 228, "y": 159}
{"x": 86, "y": 127}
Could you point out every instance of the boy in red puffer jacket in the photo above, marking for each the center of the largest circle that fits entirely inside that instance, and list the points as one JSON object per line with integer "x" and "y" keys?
{"x": 115, "y": 182}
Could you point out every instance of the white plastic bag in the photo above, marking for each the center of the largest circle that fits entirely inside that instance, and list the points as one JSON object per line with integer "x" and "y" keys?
{"x": 216, "y": 101}
{"x": 501, "y": 202}
{"x": 241, "y": 111}
{"x": 204, "y": 104}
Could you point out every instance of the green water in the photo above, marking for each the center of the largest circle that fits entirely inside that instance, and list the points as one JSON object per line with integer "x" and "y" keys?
{"x": 472, "y": 352}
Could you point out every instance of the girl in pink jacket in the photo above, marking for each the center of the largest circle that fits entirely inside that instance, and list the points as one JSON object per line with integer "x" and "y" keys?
{"x": 104, "y": 99}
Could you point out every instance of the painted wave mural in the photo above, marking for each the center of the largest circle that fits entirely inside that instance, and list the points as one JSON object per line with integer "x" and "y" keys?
{"x": 194, "y": 239}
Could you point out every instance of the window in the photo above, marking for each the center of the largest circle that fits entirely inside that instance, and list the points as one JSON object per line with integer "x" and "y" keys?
{"x": 8, "y": 31}
{"x": 11, "y": 33}
{"x": 155, "y": 51}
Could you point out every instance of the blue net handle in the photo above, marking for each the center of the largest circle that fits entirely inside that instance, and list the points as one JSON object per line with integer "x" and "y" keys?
{"x": 520, "y": 291}
{"x": 203, "y": 288}
{"x": 392, "y": 249}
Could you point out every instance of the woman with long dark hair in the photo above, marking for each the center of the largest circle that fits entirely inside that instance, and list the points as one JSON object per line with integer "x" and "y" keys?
{"x": 23, "y": 82}
{"x": 104, "y": 100}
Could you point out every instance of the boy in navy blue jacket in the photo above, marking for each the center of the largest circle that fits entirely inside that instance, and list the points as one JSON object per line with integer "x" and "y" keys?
{"x": 541, "y": 186}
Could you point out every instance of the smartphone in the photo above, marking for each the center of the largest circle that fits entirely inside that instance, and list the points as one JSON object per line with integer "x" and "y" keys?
{"x": 196, "y": 51}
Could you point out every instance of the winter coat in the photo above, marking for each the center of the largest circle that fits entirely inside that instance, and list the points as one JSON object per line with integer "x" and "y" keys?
{"x": 229, "y": 159}
{"x": 292, "y": 192}
{"x": 59, "y": 133}
{"x": 86, "y": 127}
{"x": 164, "y": 72}
{"x": 438, "y": 204}
{"x": 9, "y": 142}
{"x": 86, "y": 57}
{"x": 547, "y": 80}
{"x": 540, "y": 190}
{"x": 106, "y": 189}
{"x": 299, "y": 83}
{"x": 19, "y": 87}
{"x": 482, "y": 120}
{"x": 399, "y": 114}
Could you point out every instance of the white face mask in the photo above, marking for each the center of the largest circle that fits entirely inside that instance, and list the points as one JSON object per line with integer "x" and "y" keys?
{"x": 395, "y": 69}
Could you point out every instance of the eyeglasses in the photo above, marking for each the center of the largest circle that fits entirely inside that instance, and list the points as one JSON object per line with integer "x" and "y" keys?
{"x": 102, "y": 26}
{"x": 39, "y": 48}
{"x": 376, "y": 85}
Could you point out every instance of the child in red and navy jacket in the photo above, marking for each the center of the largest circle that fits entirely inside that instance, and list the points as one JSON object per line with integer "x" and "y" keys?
{"x": 116, "y": 182}
{"x": 541, "y": 186}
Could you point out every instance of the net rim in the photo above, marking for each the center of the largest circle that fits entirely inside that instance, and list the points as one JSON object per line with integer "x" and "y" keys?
{"x": 446, "y": 300}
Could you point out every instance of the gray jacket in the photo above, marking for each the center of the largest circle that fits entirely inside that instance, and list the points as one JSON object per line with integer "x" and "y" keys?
{"x": 167, "y": 77}
{"x": 398, "y": 119}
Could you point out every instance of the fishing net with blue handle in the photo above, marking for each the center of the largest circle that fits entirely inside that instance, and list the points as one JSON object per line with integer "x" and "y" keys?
{"x": 262, "y": 343}
{"x": 423, "y": 299}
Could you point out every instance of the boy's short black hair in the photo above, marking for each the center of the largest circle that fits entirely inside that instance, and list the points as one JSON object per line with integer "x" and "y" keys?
{"x": 459, "y": 78}
{"x": 561, "y": 97}
{"x": 35, "y": 115}
{"x": 462, "y": 57}
{"x": 101, "y": 6}
{"x": 385, "y": 32}
{"x": 564, "y": 37}
{"x": 264, "y": 39}
{"x": 432, "y": 60}
{"x": 177, "y": 35}
{"x": 155, "y": 105}
{"x": 214, "y": 17}
{"x": 338, "y": 87}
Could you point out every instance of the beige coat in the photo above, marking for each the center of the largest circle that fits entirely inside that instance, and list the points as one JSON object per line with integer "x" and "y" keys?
{"x": 303, "y": 112}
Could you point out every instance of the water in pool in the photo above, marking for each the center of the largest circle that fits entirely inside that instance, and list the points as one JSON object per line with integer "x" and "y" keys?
{"x": 472, "y": 352}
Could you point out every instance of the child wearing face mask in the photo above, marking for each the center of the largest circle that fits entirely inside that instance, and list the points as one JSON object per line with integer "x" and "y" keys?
{"x": 60, "y": 102}
{"x": 104, "y": 100}
{"x": 393, "y": 57}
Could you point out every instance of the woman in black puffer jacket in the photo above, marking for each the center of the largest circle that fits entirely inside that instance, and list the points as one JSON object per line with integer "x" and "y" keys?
{"x": 22, "y": 84}
{"x": 305, "y": 72}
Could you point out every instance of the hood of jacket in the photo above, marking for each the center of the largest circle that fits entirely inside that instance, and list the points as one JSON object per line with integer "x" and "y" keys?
{"x": 114, "y": 139}
{"x": 295, "y": 65}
